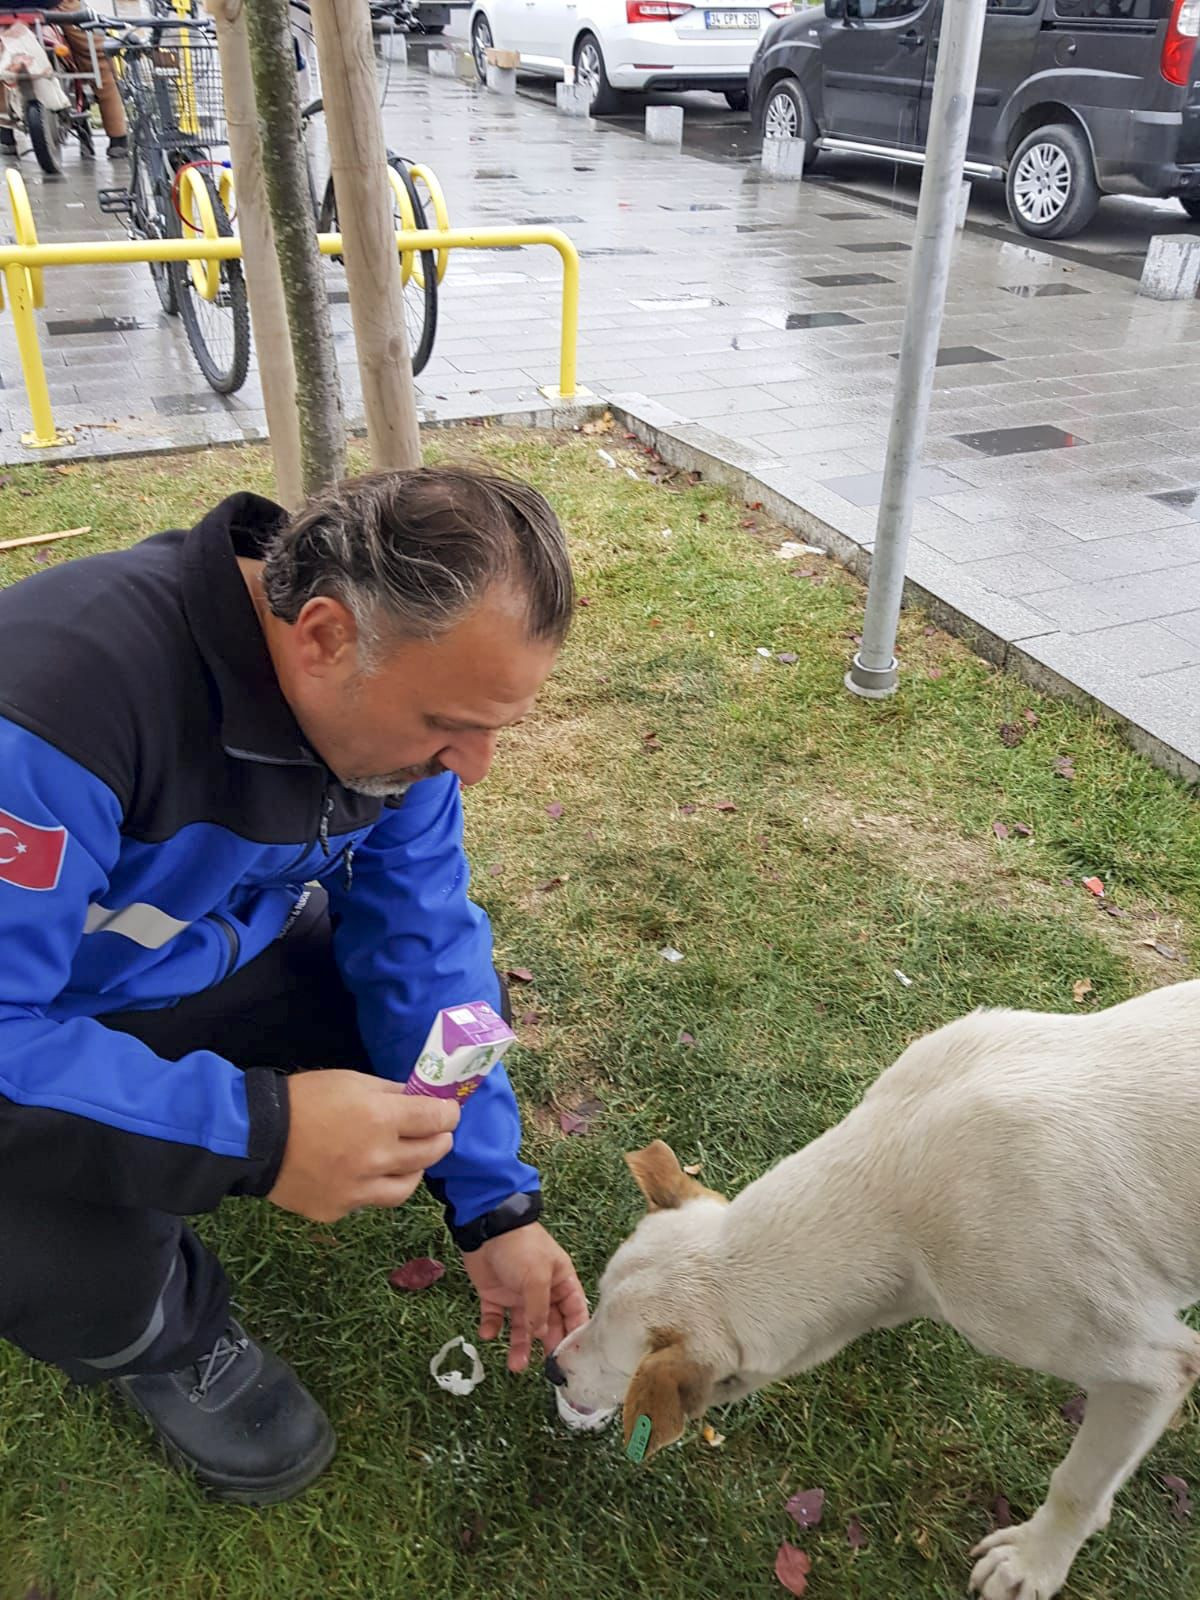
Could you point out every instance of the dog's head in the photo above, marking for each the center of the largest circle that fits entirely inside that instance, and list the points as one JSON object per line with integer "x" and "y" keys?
{"x": 658, "y": 1344}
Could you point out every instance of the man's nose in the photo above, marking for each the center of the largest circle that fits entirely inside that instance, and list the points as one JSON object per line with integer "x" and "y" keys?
{"x": 470, "y": 756}
{"x": 555, "y": 1373}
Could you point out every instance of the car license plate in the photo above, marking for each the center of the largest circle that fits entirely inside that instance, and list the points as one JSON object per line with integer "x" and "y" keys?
{"x": 745, "y": 21}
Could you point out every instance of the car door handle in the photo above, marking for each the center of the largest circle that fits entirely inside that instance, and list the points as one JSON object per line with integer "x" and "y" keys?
{"x": 912, "y": 40}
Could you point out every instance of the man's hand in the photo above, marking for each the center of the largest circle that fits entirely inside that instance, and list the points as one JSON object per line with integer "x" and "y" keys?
{"x": 356, "y": 1141}
{"x": 528, "y": 1276}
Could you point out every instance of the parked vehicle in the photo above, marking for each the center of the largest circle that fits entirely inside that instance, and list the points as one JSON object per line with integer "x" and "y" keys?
{"x": 41, "y": 90}
{"x": 640, "y": 45}
{"x": 1076, "y": 99}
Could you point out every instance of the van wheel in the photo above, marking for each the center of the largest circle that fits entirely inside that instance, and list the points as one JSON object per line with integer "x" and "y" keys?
{"x": 1052, "y": 188}
{"x": 1191, "y": 204}
{"x": 782, "y": 113}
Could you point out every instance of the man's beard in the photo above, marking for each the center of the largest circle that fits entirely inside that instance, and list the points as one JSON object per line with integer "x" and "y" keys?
{"x": 393, "y": 785}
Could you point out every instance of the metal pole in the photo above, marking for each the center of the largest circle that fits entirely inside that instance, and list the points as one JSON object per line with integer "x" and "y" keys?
{"x": 874, "y": 672}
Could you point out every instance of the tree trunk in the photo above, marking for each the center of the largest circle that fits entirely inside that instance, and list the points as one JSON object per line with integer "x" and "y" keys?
{"x": 318, "y": 393}
{"x": 358, "y": 154}
{"x": 264, "y": 285}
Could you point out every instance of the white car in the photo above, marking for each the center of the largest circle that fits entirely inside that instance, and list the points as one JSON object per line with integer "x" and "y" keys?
{"x": 628, "y": 44}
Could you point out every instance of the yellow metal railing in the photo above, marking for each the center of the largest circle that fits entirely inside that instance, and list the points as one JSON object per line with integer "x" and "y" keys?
{"x": 22, "y": 265}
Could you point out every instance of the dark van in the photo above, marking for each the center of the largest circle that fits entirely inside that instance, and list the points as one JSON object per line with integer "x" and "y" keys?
{"x": 1075, "y": 98}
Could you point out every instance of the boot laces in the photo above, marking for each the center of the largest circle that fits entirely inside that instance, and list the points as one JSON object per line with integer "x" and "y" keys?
{"x": 211, "y": 1368}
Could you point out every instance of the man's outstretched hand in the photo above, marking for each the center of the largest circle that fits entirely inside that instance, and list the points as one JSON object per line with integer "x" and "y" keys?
{"x": 528, "y": 1277}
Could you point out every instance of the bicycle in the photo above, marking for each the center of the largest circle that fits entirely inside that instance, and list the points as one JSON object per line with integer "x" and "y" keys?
{"x": 420, "y": 270}
{"x": 171, "y": 85}
{"x": 41, "y": 89}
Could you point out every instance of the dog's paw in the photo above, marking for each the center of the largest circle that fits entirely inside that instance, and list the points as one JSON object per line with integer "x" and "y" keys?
{"x": 1019, "y": 1563}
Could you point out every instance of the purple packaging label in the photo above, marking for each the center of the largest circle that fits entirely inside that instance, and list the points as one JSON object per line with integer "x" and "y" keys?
{"x": 472, "y": 1025}
{"x": 442, "y": 1091}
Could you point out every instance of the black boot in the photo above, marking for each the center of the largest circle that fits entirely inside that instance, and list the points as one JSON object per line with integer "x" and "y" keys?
{"x": 239, "y": 1419}
{"x": 118, "y": 146}
{"x": 8, "y": 140}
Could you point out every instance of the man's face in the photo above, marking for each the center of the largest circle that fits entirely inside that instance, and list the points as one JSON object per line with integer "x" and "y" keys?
{"x": 429, "y": 706}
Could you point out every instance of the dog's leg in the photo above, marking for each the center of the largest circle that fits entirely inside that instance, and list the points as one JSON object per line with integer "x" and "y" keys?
{"x": 1122, "y": 1422}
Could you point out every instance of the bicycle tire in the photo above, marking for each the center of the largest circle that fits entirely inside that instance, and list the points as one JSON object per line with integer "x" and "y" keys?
{"x": 45, "y": 135}
{"x": 224, "y": 371}
{"x": 150, "y": 222}
{"x": 420, "y": 301}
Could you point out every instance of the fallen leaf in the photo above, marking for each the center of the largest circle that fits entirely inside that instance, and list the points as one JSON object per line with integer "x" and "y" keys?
{"x": 495, "y": 871}
{"x": 1081, "y": 988}
{"x": 1064, "y": 767}
{"x": 530, "y": 1019}
{"x": 807, "y": 1508}
{"x": 552, "y": 883}
{"x": 1023, "y": 829}
{"x": 703, "y": 517}
{"x": 685, "y": 1038}
{"x": 856, "y": 1536}
{"x": 695, "y": 1169}
{"x": 1181, "y": 1500}
{"x": 602, "y": 424}
{"x": 554, "y": 810}
{"x": 708, "y": 1433}
{"x": 1074, "y": 1408}
{"x": 1000, "y": 829}
{"x": 1161, "y": 949}
{"x": 671, "y": 954}
{"x": 519, "y": 975}
{"x": 1094, "y": 886}
{"x": 725, "y": 805}
{"x": 792, "y": 1567}
{"x": 422, "y": 1273}
{"x": 469, "y": 1533}
{"x": 650, "y": 743}
{"x": 1031, "y": 717}
{"x": 786, "y": 657}
{"x": 1011, "y": 733}
{"x": 935, "y": 673}
{"x": 687, "y": 811}
{"x": 1001, "y": 1512}
{"x": 579, "y": 1121}
{"x": 584, "y": 600}
{"x": 929, "y": 632}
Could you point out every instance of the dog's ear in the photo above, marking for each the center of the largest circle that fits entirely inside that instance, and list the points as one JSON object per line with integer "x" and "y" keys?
{"x": 669, "y": 1387}
{"x": 657, "y": 1173}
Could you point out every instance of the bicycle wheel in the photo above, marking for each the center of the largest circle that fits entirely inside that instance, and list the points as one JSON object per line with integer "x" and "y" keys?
{"x": 148, "y": 219}
{"x": 45, "y": 135}
{"x": 218, "y": 330}
{"x": 420, "y": 297}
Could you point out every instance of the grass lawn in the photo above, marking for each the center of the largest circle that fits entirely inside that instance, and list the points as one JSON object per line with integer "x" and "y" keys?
{"x": 864, "y": 842}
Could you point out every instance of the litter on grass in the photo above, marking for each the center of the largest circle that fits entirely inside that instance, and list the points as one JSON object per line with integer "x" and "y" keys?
{"x": 454, "y": 1381}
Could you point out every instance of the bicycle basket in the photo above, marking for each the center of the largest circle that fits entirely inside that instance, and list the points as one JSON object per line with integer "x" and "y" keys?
{"x": 174, "y": 84}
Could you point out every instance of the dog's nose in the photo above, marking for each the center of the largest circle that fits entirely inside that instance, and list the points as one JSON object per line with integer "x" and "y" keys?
{"x": 555, "y": 1373}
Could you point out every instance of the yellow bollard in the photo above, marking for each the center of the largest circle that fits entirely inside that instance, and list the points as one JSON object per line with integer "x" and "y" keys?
{"x": 26, "y": 294}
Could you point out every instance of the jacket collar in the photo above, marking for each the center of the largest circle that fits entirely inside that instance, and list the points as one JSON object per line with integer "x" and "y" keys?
{"x": 256, "y": 721}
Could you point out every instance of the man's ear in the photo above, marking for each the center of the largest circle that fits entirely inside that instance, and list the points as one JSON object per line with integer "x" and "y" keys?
{"x": 657, "y": 1173}
{"x": 669, "y": 1388}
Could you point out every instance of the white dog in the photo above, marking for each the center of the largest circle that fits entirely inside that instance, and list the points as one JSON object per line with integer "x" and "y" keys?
{"x": 1032, "y": 1180}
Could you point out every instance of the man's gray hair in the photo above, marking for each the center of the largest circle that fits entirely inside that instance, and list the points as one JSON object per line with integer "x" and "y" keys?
{"x": 409, "y": 554}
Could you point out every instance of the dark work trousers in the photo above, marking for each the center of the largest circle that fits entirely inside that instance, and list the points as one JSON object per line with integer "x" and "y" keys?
{"x": 99, "y": 1291}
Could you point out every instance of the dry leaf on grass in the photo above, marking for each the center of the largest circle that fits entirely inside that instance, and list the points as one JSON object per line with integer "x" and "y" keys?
{"x": 1011, "y": 733}
{"x": 579, "y": 1122}
{"x": 725, "y": 805}
{"x": 530, "y": 1019}
{"x": 1074, "y": 1409}
{"x": 1164, "y": 950}
{"x": 807, "y": 1508}
{"x": 1001, "y": 1512}
{"x": 519, "y": 975}
{"x": 1064, "y": 767}
{"x": 1181, "y": 1499}
{"x": 1000, "y": 829}
{"x": 1080, "y": 989}
{"x": 554, "y": 810}
{"x": 552, "y": 883}
{"x": 787, "y": 658}
{"x": 422, "y": 1273}
{"x": 792, "y": 1567}
{"x": 685, "y": 1038}
{"x": 856, "y": 1536}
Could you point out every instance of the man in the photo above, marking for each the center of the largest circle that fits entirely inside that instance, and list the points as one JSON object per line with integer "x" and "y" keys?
{"x": 97, "y": 69}
{"x": 230, "y": 848}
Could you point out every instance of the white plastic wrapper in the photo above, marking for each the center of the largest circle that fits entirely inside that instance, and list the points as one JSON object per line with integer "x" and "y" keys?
{"x": 455, "y": 1381}
{"x": 581, "y": 1421}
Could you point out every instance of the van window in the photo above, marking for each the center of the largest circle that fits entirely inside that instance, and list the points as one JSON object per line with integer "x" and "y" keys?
{"x": 882, "y": 10}
{"x": 1108, "y": 10}
{"x": 1026, "y": 7}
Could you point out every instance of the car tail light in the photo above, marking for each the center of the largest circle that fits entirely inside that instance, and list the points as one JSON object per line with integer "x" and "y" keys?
{"x": 662, "y": 10}
{"x": 1179, "y": 47}
{"x": 782, "y": 8}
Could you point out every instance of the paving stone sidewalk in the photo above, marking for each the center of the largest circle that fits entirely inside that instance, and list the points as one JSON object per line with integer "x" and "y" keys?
{"x": 1060, "y": 502}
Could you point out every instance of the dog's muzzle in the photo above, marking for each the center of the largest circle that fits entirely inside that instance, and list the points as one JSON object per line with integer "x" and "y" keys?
{"x": 555, "y": 1373}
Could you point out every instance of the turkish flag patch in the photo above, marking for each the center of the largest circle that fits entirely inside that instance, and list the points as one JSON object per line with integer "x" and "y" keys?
{"x": 30, "y": 857}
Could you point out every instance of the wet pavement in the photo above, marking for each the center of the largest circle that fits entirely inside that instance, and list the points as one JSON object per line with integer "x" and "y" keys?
{"x": 1061, "y": 495}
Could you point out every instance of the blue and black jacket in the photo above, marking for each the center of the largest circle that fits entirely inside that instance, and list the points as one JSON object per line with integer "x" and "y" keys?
{"x": 160, "y": 815}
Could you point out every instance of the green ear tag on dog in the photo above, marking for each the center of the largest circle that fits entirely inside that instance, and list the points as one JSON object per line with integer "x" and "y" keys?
{"x": 639, "y": 1439}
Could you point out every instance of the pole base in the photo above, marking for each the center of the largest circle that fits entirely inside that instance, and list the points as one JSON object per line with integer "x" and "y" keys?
{"x": 870, "y": 684}
{"x": 36, "y": 441}
{"x": 579, "y": 396}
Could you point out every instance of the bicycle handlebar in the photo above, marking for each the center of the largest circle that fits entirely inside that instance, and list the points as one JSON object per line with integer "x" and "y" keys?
{"x": 71, "y": 19}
